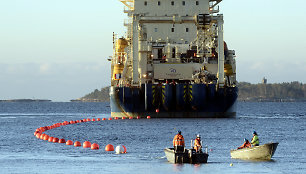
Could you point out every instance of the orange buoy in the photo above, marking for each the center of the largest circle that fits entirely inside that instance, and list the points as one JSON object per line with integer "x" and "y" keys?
{"x": 50, "y": 139}
{"x": 103, "y": 118}
{"x": 62, "y": 141}
{"x": 86, "y": 144}
{"x": 138, "y": 117}
{"x": 77, "y": 144}
{"x": 148, "y": 117}
{"x": 38, "y": 135}
{"x": 71, "y": 122}
{"x": 123, "y": 118}
{"x": 46, "y": 137}
{"x": 109, "y": 147}
{"x": 98, "y": 119}
{"x": 84, "y": 120}
{"x": 69, "y": 142}
{"x": 66, "y": 122}
{"x": 42, "y": 136}
{"x": 93, "y": 119}
{"x": 110, "y": 118}
{"x": 88, "y": 119}
{"x": 95, "y": 146}
{"x": 130, "y": 118}
{"x": 55, "y": 140}
{"x": 157, "y": 110}
{"x": 116, "y": 118}
{"x": 124, "y": 149}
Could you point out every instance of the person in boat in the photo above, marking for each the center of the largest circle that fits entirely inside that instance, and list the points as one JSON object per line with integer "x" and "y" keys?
{"x": 197, "y": 144}
{"x": 178, "y": 142}
{"x": 246, "y": 144}
{"x": 255, "y": 140}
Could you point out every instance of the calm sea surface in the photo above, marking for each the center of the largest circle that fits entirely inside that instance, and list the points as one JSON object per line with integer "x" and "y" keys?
{"x": 22, "y": 152}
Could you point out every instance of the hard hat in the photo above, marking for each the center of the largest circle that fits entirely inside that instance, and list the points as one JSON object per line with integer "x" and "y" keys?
{"x": 198, "y": 136}
{"x": 254, "y": 132}
{"x": 245, "y": 139}
{"x": 179, "y": 132}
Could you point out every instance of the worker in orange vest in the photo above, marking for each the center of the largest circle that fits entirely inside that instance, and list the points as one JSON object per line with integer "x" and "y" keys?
{"x": 246, "y": 144}
{"x": 197, "y": 144}
{"x": 178, "y": 142}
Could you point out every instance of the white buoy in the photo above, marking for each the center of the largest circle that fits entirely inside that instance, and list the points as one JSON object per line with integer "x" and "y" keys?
{"x": 120, "y": 149}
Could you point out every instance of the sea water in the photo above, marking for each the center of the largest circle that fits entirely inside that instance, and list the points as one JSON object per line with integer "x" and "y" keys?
{"x": 145, "y": 139}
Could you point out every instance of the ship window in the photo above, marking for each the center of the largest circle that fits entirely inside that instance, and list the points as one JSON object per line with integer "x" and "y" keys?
{"x": 183, "y": 2}
{"x": 187, "y": 29}
{"x": 158, "y": 3}
{"x": 172, "y": 2}
{"x": 145, "y": 3}
{"x": 172, "y": 29}
{"x": 197, "y": 2}
{"x": 155, "y": 29}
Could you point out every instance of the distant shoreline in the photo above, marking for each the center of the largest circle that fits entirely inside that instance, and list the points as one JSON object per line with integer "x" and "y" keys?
{"x": 26, "y": 100}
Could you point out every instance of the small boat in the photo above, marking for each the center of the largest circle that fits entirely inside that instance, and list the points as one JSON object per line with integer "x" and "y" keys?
{"x": 188, "y": 156}
{"x": 263, "y": 152}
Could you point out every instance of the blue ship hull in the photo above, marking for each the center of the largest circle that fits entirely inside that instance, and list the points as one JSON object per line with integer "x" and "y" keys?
{"x": 174, "y": 101}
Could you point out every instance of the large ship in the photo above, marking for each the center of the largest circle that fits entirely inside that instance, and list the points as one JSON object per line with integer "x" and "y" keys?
{"x": 173, "y": 62}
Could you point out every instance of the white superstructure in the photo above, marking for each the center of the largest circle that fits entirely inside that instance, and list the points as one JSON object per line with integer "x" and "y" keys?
{"x": 173, "y": 40}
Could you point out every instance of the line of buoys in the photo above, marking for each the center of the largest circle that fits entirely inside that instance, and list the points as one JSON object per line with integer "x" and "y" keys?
{"x": 40, "y": 135}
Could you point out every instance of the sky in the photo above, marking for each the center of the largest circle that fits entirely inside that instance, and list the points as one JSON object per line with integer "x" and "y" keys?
{"x": 58, "y": 49}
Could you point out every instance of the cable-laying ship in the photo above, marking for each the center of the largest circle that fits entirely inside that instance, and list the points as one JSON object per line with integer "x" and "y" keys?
{"x": 173, "y": 62}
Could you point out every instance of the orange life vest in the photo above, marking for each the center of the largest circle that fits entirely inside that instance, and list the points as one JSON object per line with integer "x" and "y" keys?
{"x": 197, "y": 144}
{"x": 178, "y": 140}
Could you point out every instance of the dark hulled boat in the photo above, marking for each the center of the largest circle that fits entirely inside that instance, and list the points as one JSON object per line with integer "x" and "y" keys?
{"x": 188, "y": 156}
{"x": 173, "y": 62}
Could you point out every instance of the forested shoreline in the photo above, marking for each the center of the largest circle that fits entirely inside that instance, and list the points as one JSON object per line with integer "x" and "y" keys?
{"x": 277, "y": 92}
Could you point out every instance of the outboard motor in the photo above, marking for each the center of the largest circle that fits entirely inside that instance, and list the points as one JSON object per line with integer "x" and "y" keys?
{"x": 191, "y": 155}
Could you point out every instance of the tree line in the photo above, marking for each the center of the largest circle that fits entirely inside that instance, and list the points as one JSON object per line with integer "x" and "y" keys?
{"x": 293, "y": 91}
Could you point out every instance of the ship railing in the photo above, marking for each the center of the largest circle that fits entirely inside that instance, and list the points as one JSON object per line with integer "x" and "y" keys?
{"x": 127, "y": 10}
{"x": 179, "y": 60}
